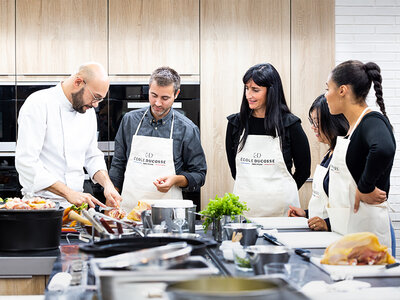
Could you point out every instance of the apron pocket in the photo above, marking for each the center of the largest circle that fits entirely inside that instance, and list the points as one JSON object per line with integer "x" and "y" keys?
{"x": 372, "y": 218}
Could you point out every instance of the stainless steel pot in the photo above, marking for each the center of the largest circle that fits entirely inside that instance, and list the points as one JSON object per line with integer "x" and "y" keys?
{"x": 261, "y": 255}
{"x": 177, "y": 219}
{"x": 223, "y": 288}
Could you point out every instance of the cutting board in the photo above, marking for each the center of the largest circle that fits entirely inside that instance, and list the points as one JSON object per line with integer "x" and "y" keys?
{"x": 357, "y": 271}
{"x": 309, "y": 239}
{"x": 281, "y": 222}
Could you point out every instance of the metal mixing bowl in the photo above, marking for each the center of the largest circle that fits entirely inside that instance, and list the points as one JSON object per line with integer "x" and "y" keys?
{"x": 249, "y": 232}
{"x": 261, "y": 255}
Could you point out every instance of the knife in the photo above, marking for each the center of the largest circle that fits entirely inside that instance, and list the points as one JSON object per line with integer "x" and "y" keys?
{"x": 304, "y": 253}
{"x": 390, "y": 266}
{"x": 272, "y": 239}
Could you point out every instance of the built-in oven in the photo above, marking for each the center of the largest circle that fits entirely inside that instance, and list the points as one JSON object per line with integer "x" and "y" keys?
{"x": 9, "y": 186}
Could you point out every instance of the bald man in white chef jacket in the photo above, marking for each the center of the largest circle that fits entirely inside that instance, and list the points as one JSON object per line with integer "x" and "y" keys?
{"x": 57, "y": 138}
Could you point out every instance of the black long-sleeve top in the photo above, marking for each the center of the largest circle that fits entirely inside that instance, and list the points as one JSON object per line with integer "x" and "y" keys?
{"x": 371, "y": 153}
{"x": 295, "y": 147}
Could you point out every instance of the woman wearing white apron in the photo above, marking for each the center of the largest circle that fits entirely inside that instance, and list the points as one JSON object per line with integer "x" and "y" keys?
{"x": 360, "y": 168}
{"x": 263, "y": 141}
{"x": 326, "y": 128}
{"x": 141, "y": 169}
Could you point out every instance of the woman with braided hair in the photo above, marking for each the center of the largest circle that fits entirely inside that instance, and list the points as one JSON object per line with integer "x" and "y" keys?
{"x": 361, "y": 164}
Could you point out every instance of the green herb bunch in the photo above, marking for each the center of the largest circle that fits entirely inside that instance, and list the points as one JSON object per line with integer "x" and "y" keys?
{"x": 228, "y": 205}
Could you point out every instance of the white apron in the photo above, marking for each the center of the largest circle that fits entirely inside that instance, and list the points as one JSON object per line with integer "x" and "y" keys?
{"x": 262, "y": 179}
{"x": 342, "y": 191}
{"x": 319, "y": 199}
{"x": 150, "y": 158}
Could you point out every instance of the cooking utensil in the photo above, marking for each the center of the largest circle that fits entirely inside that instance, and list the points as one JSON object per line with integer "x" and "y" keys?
{"x": 261, "y": 255}
{"x": 390, "y": 266}
{"x": 272, "y": 239}
{"x": 249, "y": 232}
{"x": 161, "y": 257}
{"x": 26, "y": 230}
{"x": 130, "y": 224}
{"x": 99, "y": 208}
{"x": 100, "y": 229}
{"x": 105, "y": 248}
{"x": 163, "y": 211}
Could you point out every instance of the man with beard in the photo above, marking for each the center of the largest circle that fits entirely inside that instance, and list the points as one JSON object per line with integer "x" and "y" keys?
{"x": 157, "y": 149}
{"x": 57, "y": 138}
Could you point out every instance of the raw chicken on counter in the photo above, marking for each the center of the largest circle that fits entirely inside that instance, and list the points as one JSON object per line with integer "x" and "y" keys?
{"x": 361, "y": 248}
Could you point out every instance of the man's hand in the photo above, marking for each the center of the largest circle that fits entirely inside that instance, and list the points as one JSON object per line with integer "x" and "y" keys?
{"x": 164, "y": 184}
{"x": 296, "y": 212}
{"x": 317, "y": 224}
{"x": 377, "y": 196}
{"x": 79, "y": 198}
{"x": 113, "y": 198}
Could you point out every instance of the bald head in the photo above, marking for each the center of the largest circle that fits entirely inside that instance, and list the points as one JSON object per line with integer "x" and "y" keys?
{"x": 92, "y": 77}
{"x": 92, "y": 71}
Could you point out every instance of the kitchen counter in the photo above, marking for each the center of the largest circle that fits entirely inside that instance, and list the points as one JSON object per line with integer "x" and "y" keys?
{"x": 69, "y": 256}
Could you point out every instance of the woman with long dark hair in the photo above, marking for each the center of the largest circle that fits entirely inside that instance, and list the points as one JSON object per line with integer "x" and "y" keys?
{"x": 359, "y": 176}
{"x": 263, "y": 142}
{"x": 326, "y": 128}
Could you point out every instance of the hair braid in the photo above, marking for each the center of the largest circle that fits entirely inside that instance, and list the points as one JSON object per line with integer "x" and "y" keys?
{"x": 374, "y": 73}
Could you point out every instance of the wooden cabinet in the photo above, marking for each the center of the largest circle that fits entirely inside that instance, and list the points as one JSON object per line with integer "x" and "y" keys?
{"x": 33, "y": 285}
{"x": 7, "y": 38}
{"x": 55, "y": 37}
{"x": 312, "y": 57}
{"x": 144, "y": 35}
{"x": 235, "y": 35}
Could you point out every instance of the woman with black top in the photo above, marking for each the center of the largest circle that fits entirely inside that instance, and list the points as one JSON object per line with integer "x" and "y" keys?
{"x": 263, "y": 142}
{"x": 326, "y": 128}
{"x": 359, "y": 175}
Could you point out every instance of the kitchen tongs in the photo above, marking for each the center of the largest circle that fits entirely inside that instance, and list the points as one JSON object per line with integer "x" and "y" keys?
{"x": 159, "y": 257}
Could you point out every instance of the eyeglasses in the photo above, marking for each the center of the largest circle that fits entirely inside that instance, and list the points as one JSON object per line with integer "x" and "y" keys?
{"x": 95, "y": 99}
{"x": 313, "y": 122}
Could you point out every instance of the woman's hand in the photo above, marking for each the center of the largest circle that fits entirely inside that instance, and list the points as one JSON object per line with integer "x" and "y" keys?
{"x": 296, "y": 212}
{"x": 377, "y": 196}
{"x": 317, "y": 224}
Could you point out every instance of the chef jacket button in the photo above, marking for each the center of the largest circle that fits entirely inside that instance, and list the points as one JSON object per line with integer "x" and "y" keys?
{"x": 155, "y": 128}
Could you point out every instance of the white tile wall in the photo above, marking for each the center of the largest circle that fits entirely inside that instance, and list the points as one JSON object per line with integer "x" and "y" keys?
{"x": 369, "y": 30}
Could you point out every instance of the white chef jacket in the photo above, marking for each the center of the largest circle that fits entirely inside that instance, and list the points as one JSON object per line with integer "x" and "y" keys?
{"x": 54, "y": 143}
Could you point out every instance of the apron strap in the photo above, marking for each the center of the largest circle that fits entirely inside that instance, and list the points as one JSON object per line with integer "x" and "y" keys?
{"x": 358, "y": 121}
{"x": 141, "y": 121}
{"x": 172, "y": 125}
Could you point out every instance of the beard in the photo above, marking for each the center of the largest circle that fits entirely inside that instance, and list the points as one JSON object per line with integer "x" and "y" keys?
{"x": 77, "y": 101}
{"x": 160, "y": 113}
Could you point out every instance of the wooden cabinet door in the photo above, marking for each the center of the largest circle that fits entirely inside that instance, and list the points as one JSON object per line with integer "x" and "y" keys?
{"x": 55, "y": 37}
{"x": 145, "y": 35}
{"x": 312, "y": 57}
{"x": 235, "y": 35}
{"x": 7, "y": 38}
